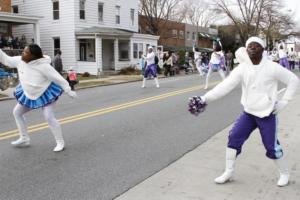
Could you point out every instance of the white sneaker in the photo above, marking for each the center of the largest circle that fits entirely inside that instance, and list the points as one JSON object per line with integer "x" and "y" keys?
{"x": 21, "y": 142}
{"x": 225, "y": 177}
{"x": 283, "y": 180}
{"x": 157, "y": 86}
{"x": 59, "y": 146}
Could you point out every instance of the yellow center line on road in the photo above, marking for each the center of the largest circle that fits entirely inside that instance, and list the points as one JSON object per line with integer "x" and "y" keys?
{"x": 102, "y": 111}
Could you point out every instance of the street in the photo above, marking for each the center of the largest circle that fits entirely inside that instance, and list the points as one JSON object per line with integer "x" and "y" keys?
{"x": 116, "y": 136}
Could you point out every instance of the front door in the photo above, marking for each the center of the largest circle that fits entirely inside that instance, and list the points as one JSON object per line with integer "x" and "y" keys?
{"x": 108, "y": 58}
{"x": 82, "y": 48}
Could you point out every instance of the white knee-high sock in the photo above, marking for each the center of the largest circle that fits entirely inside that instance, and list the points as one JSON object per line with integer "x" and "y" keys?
{"x": 156, "y": 81}
{"x": 53, "y": 123}
{"x": 144, "y": 82}
{"x": 207, "y": 77}
{"x": 18, "y": 113}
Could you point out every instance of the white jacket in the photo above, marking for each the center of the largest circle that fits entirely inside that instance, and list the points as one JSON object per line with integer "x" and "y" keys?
{"x": 35, "y": 76}
{"x": 259, "y": 87}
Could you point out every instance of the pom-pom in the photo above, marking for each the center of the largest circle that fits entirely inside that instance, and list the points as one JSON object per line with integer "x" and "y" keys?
{"x": 196, "y": 105}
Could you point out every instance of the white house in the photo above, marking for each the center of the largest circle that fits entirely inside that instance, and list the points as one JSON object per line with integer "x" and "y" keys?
{"x": 93, "y": 35}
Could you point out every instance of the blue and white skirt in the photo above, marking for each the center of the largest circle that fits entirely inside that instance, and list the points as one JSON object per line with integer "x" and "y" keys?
{"x": 49, "y": 96}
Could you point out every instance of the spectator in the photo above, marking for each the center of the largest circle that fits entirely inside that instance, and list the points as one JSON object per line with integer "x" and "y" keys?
{"x": 229, "y": 59}
{"x": 57, "y": 62}
{"x": 72, "y": 78}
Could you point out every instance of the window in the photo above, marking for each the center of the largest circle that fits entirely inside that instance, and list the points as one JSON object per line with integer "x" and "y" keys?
{"x": 174, "y": 33}
{"x": 141, "y": 51}
{"x": 194, "y": 37}
{"x": 82, "y": 9}
{"x": 15, "y": 9}
{"x": 137, "y": 50}
{"x": 132, "y": 16}
{"x": 181, "y": 34}
{"x": 118, "y": 14}
{"x": 3, "y": 27}
{"x": 55, "y": 9}
{"x": 124, "y": 50}
{"x": 87, "y": 50}
{"x": 56, "y": 44}
{"x": 100, "y": 12}
{"x": 188, "y": 35}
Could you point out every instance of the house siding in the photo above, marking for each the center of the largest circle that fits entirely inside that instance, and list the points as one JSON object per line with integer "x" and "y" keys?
{"x": 91, "y": 14}
{"x": 63, "y": 28}
{"x": 69, "y": 23}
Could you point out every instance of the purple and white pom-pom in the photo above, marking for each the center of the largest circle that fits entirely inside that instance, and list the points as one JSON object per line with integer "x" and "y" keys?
{"x": 196, "y": 105}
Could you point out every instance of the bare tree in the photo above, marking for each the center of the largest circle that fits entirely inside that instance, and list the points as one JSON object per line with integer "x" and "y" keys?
{"x": 274, "y": 23}
{"x": 157, "y": 12}
{"x": 199, "y": 13}
{"x": 249, "y": 16}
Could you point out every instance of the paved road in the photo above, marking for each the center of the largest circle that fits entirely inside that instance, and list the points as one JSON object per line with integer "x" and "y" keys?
{"x": 116, "y": 136}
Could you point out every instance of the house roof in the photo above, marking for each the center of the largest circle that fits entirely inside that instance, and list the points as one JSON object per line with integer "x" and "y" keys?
{"x": 104, "y": 31}
{"x": 18, "y": 19}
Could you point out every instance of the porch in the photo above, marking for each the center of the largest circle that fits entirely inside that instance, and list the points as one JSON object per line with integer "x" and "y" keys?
{"x": 100, "y": 50}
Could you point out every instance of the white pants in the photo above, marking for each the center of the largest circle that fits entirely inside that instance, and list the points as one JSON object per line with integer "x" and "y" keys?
{"x": 48, "y": 112}
{"x": 221, "y": 72}
{"x": 199, "y": 67}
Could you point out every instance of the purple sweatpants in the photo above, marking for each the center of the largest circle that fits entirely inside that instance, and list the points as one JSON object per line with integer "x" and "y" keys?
{"x": 267, "y": 126}
{"x": 285, "y": 63}
{"x": 150, "y": 69}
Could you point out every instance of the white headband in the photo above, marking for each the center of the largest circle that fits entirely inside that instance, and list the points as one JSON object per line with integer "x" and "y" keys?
{"x": 150, "y": 47}
{"x": 257, "y": 40}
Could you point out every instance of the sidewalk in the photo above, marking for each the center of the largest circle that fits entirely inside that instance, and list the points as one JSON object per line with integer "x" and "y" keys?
{"x": 191, "y": 177}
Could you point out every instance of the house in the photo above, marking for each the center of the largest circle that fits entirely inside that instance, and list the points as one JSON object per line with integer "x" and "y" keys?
{"x": 94, "y": 36}
{"x": 9, "y": 18}
{"x": 176, "y": 35}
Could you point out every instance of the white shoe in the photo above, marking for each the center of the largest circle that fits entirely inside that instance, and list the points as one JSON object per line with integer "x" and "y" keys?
{"x": 283, "y": 180}
{"x": 225, "y": 177}
{"x": 283, "y": 171}
{"x": 230, "y": 161}
{"x": 143, "y": 86}
{"x": 157, "y": 86}
{"x": 21, "y": 142}
{"x": 59, "y": 146}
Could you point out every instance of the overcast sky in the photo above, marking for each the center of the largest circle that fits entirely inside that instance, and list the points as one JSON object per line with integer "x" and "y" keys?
{"x": 294, "y": 7}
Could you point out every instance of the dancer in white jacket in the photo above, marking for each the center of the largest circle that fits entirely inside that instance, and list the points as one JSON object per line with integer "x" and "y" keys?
{"x": 151, "y": 67}
{"x": 259, "y": 78}
{"x": 216, "y": 63}
{"x": 40, "y": 86}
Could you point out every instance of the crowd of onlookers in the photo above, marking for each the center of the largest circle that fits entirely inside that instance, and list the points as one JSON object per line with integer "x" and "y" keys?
{"x": 171, "y": 63}
{"x": 11, "y": 42}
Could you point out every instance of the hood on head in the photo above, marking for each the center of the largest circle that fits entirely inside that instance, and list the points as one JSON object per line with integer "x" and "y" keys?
{"x": 242, "y": 56}
{"x": 45, "y": 60}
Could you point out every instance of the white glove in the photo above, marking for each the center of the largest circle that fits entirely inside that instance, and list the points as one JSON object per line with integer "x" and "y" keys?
{"x": 72, "y": 94}
{"x": 279, "y": 105}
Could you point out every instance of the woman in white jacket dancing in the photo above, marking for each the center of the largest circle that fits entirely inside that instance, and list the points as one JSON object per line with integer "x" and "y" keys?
{"x": 40, "y": 86}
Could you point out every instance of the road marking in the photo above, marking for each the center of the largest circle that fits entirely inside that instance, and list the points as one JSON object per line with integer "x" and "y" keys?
{"x": 41, "y": 126}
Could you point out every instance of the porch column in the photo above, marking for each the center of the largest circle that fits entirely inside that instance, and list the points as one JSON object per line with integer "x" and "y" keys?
{"x": 98, "y": 56}
{"x": 130, "y": 51}
{"x": 116, "y": 53}
{"x": 36, "y": 33}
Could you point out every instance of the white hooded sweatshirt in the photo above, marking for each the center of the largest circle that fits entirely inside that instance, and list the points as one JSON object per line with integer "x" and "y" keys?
{"x": 35, "y": 76}
{"x": 259, "y": 84}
